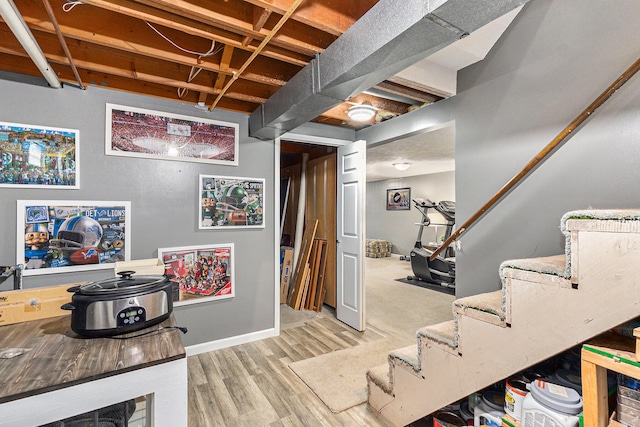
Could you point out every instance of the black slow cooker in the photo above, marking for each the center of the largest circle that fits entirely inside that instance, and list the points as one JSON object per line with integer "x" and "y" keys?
{"x": 120, "y": 305}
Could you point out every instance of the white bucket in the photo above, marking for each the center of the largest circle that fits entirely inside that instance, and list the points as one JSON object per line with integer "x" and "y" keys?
{"x": 551, "y": 405}
{"x": 489, "y": 410}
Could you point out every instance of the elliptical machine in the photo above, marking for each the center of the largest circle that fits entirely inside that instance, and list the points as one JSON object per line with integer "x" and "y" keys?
{"x": 441, "y": 270}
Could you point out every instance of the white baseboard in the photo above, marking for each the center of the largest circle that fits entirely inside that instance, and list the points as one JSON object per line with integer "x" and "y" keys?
{"x": 193, "y": 350}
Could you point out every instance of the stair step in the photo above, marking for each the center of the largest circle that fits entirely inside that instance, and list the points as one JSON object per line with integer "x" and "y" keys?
{"x": 488, "y": 307}
{"x": 407, "y": 356}
{"x": 552, "y": 270}
{"x": 556, "y": 265}
{"x": 442, "y": 333}
{"x": 379, "y": 375}
{"x": 458, "y": 357}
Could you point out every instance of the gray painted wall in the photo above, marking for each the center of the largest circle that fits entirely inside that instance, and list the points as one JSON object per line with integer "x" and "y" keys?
{"x": 553, "y": 61}
{"x": 398, "y": 227}
{"x": 163, "y": 197}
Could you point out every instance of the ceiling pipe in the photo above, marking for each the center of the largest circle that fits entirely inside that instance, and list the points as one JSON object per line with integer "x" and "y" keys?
{"x": 387, "y": 39}
{"x": 13, "y": 19}
{"x": 63, "y": 43}
{"x": 253, "y": 56}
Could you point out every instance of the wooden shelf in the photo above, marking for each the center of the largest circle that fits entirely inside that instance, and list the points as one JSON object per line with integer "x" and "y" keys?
{"x": 607, "y": 352}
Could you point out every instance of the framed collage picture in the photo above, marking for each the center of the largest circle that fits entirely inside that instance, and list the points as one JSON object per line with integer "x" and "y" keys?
{"x": 39, "y": 157}
{"x": 66, "y": 236}
{"x": 200, "y": 273}
{"x": 231, "y": 202}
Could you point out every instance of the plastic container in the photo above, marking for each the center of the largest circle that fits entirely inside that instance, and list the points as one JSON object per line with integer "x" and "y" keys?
{"x": 628, "y": 405}
{"x": 629, "y": 382}
{"x": 628, "y": 415}
{"x": 567, "y": 378}
{"x": 473, "y": 399}
{"x": 629, "y": 397}
{"x": 490, "y": 409}
{"x": 551, "y": 405}
{"x": 465, "y": 413}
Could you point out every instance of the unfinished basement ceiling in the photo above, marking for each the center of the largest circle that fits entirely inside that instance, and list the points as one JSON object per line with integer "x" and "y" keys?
{"x": 232, "y": 54}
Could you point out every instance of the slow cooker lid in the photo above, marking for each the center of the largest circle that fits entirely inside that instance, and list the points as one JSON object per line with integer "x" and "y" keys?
{"x": 126, "y": 281}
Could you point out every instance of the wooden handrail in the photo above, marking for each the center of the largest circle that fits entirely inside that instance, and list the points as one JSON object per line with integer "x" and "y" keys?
{"x": 540, "y": 157}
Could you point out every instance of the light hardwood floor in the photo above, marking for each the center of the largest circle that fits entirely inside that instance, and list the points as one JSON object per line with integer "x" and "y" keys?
{"x": 252, "y": 385}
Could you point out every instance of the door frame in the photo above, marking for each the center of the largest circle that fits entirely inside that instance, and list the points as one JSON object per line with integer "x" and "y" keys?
{"x": 293, "y": 137}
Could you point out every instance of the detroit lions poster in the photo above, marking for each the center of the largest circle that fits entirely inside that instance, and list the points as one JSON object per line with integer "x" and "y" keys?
{"x": 67, "y": 236}
{"x": 231, "y": 202}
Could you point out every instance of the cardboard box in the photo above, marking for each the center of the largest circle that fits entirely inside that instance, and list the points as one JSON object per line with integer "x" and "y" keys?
{"x": 286, "y": 271}
{"x": 142, "y": 267}
{"x": 33, "y": 304}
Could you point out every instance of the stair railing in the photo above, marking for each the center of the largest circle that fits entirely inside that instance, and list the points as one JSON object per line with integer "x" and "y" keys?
{"x": 542, "y": 156}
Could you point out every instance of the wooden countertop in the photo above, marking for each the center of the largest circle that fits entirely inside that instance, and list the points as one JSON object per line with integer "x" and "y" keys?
{"x": 60, "y": 358}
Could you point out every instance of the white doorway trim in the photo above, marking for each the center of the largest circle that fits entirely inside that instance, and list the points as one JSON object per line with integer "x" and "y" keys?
{"x": 293, "y": 137}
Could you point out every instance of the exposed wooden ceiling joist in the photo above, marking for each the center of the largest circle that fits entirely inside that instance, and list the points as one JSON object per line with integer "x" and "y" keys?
{"x": 158, "y": 47}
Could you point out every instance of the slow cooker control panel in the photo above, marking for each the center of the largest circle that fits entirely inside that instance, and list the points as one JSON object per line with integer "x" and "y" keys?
{"x": 131, "y": 315}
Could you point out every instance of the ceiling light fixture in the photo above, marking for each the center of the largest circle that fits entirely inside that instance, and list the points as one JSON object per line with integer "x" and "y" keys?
{"x": 13, "y": 19}
{"x": 402, "y": 166}
{"x": 361, "y": 112}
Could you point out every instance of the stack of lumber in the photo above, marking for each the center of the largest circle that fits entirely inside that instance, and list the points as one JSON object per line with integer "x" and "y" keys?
{"x": 308, "y": 284}
{"x": 378, "y": 248}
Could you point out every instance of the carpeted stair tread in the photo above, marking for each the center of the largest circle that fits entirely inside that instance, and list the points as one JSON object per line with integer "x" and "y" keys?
{"x": 526, "y": 283}
{"x": 407, "y": 356}
{"x": 489, "y": 302}
{"x": 554, "y": 265}
{"x": 602, "y": 214}
{"x": 443, "y": 333}
{"x": 379, "y": 375}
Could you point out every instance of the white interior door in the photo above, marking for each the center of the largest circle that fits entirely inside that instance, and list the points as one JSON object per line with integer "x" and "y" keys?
{"x": 350, "y": 234}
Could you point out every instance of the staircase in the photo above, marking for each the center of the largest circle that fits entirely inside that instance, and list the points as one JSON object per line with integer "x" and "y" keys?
{"x": 546, "y": 305}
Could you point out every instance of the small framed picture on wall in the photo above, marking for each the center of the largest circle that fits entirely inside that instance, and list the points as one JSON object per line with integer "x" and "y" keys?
{"x": 399, "y": 199}
{"x": 231, "y": 202}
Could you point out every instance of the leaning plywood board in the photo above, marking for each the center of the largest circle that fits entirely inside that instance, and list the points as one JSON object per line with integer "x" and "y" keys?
{"x": 33, "y": 304}
{"x": 322, "y": 272}
{"x": 303, "y": 260}
{"x": 298, "y": 298}
{"x": 315, "y": 264}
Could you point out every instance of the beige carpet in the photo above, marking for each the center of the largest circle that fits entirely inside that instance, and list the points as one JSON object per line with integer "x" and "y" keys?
{"x": 339, "y": 378}
{"x": 398, "y": 309}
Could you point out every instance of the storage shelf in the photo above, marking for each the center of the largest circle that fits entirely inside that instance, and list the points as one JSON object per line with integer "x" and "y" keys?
{"x": 607, "y": 352}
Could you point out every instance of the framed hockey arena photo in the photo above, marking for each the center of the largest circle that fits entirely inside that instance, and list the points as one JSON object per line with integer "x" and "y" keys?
{"x": 65, "y": 236}
{"x": 200, "y": 273}
{"x": 136, "y": 132}
{"x": 230, "y": 202}
{"x": 38, "y": 157}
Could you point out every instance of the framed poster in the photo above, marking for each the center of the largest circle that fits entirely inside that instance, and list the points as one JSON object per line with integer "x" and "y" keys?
{"x": 399, "y": 199}
{"x": 65, "y": 236}
{"x": 230, "y": 202}
{"x": 137, "y": 132}
{"x": 200, "y": 273}
{"x": 39, "y": 157}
